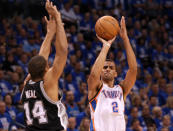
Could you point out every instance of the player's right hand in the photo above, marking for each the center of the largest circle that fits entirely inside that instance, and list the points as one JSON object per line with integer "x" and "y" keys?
{"x": 52, "y": 10}
{"x": 106, "y": 42}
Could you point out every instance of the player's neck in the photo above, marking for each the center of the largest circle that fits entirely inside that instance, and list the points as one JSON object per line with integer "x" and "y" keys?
{"x": 109, "y": 83}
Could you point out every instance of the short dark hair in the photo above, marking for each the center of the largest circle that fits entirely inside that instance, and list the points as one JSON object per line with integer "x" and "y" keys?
{"x": 36, "y": 67}
{"x": 110, "y": 60}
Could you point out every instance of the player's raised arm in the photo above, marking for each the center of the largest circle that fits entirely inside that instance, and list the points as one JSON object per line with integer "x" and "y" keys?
{"x": 94, "y": 77}
{"x": 46, "y": 45}
{"x": 51, "y": 30}
{"x": 130, "y": 78}
{"x": 61, "y": 45}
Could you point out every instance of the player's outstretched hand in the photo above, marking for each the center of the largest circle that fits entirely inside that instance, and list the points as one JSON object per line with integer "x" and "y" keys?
{"x": 123, "y": 30}
{"x": 51, "y": 25}
{"x": 109, "y": 42}
{"x": 52, "y": 10}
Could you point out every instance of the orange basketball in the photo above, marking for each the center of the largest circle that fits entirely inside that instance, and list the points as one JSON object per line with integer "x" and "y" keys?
{"x": 107, "y": 27}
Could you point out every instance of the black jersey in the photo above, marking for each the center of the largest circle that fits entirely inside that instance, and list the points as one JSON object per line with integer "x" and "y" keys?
{"x": 41, "y": 113}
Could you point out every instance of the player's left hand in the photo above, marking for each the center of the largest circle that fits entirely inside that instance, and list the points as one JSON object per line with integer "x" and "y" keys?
{"x": 52, "y": 10}
{"x": 51, "y": 25}
{"x": 123, "y": 30}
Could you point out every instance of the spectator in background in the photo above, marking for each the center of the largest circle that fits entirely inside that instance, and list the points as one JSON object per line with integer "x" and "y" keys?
{"x": 169, "y": 56}
{"x": 153, "y": 101}
{"x": 86, "y": 23}
{"x": 11, "y": 110}
{"x": 85, "y": 124}
{"x": 14, "y": 82}
{"x": 143, "y": 95}
{"x": 77, "y": 74}
{"x": 20, "y": 120}
{"x": 157, "y": 115}
{"x": 148, "y": 121}
{"x": 72, "y": 124}
{"x": 168, "y": 91}
{"x": 5, "y": 86}
{"x": 166, "y": 123}
{"x": 155, "y": 91}
{"x": 136, "y": 102}
{"x": 30, "y": 45}
{"x": 164, "y": 129}
{"x": 133, "y": 115}
{"x": 162, "y": 84}
{"x": 71, "y": 106}
{"x": 68, "y": 13}
{"x": 23, "y": 62}
{"x": 170, "y": 76}
{"x": 71, "y": 85}
{"x": 20, "y": 72}
{"x": 16, "y": 98}
{"x": 82, "y": 95}
{"x": 81, "y": 115}
{"x": 5, "y": 118}
{"x": 2, "y": 53}
{"x": 9, "y": 63}
{"x": 70, "y": 67}
{"x": 168, "y": 108}
{"x": 135, "y": 126}
{"x": 77, "y": 13}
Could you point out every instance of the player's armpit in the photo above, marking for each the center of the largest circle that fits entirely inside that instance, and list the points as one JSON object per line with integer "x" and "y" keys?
{"x": 93, "y": 85}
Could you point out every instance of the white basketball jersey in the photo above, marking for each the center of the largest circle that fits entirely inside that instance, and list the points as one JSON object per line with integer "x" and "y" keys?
{"x": 107, "y": 110}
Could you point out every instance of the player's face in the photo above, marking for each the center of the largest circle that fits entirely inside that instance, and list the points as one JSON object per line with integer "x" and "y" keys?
{"x": 109, "y": 71}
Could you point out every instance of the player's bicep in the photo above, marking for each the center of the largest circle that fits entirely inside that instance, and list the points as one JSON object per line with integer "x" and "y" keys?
{"x": 129, "y": 81}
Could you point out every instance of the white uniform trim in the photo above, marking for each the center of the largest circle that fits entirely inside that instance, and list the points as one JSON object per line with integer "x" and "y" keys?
{"x": 61, "y": 108}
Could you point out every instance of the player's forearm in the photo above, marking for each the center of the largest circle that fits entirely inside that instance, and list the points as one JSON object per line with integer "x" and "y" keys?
{"x": 130, "y": 54}
{"x": 46, "y": 45}
{"x": 99, "y": 63}
{"x": 61, "y": 39}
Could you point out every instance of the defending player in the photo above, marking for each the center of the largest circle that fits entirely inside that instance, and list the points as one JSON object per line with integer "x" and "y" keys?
{"x": 41, "y": 98}
{"x": 106, "y": 99}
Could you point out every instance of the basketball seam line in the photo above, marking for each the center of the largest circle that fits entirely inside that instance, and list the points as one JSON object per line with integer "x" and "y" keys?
{"x": 111, "y": 23}
{"x": 104, "y": 28}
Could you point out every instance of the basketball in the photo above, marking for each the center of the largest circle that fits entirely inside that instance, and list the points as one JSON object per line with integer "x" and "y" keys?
{"x": 107, "y": 27}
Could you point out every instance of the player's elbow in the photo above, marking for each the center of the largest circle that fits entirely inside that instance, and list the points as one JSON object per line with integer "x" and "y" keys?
{"x": 64, "y": 50}
{"x": 133, "y": 69}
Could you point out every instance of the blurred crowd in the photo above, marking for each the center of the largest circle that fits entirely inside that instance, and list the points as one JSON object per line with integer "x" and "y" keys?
{"x": 149, "y": 106}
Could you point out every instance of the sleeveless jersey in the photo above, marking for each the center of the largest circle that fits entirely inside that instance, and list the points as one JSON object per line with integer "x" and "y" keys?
{"x": 40, "y": 112}
{"x": 107, "y": 109}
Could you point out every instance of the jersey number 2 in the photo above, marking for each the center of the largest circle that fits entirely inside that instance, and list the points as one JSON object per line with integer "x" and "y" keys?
{"x": 38, "y": 112}
{"x": 115, "y": 107}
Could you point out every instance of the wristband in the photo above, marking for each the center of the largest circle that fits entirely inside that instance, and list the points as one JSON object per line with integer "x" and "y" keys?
{"x": 107, "y": 44}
